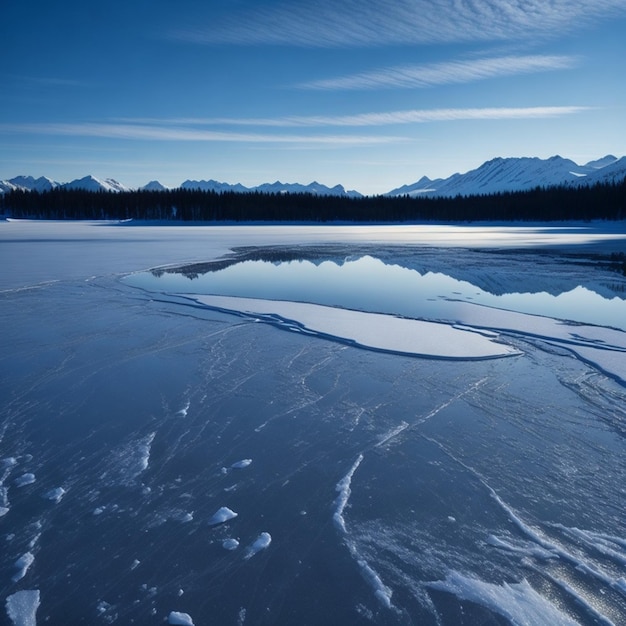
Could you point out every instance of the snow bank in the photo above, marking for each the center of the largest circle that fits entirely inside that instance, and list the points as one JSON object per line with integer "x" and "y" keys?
{"x": 22, "y": 607}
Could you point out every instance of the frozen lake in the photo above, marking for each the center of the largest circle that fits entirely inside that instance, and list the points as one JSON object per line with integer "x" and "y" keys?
{"x": 312, "y": 425}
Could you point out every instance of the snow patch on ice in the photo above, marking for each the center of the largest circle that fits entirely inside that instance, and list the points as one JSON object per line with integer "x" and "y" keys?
{"x": 241, "y": 464}
{"x": 223, "y": 514}
{"x": 22, "y": 607}
{"x": 230, "y": 544}
{"x": 55, "y": 494}
{"x": 180, "y": 619}
{"x": 376, "y": 331}
{"x": 343, "y": 487}
{"x": 129, "y": 462}
{"x": 22, "y": 564}
{"x": 24, "y": 479}
{"x": 260, "y": 543}
{"x": 517, "y": 602}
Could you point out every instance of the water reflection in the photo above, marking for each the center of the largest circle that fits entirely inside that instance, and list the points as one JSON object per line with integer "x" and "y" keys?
{"x": 369, "y": 284}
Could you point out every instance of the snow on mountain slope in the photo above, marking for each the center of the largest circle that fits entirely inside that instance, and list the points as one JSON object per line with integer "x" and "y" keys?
{"x": 213, "y": 185}
{"x": 519, "y": 174}
{"x": 90, "y": 183}
{"x": 34, "y": 184}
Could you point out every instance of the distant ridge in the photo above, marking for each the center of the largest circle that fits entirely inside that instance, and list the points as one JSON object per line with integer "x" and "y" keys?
{"x": 494, "y": 176}
{"x": 518, "y": 174}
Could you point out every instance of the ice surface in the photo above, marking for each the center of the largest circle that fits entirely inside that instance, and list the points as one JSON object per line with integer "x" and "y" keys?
{"x": 223, "y": 514}
{"x": 22, "y": 564}
{"x": 260, "y": 543}
{"x": 180, "y": 619}
{"x": 517, "y": 602}
{"x": 22, "y": 607}
{"x": 24, "y": 479}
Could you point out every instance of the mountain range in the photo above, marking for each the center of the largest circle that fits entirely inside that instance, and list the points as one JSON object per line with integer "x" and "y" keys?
{"x": 496, "y": 175}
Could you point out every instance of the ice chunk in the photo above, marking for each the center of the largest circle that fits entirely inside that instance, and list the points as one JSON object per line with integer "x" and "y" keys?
{"x": 230, "y": 544}
{"x": 241, "y": 464}
{"x": 3, "y": 510}
{"x": 135, "y": 564}
{"x": 22, "y": 565}
{"x": 22, "y": 607}
{"x": 24, "y": 479}
{"x": 260, "y": 543}
{"x": 222, "y": 515}
{"x": 180, "y": 619}
{"x": 9, "y": 461}
{"x": 55, "y": 494}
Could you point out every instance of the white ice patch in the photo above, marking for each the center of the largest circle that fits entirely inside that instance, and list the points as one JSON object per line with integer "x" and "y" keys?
{"x": 241, "y": 464}
{"x": 21, "y": 565}
{"x": 7, "y": 462}
{"x": 223, "y": 514}
{"x": 24, "y": 479}
{"x": 369, "y": 330}
{"x": 129, "y": 462}
{"x": 55, "y": 494}
{"x": 22, "y": 607}
{"x": 523, "y": 548}
{"x": 517, "y": 602}
{"x": 260, "y": 543}
{"x": 343, "y": 487}
{"x": 183, "y": 412}
{"x": 180, "y": 619}
{"x": 230, "y": 544}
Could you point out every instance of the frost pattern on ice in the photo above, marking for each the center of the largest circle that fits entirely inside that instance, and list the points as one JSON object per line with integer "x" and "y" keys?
{"x": 22, "y": 607}
{"x": 129, "y": 461}
{"x": 517, "y": 602}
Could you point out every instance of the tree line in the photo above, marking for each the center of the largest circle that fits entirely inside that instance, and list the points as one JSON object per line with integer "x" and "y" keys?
{"x": 605, "y": 201}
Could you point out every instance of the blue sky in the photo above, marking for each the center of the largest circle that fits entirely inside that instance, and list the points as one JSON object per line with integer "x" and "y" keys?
{"x": 371, "y": 94}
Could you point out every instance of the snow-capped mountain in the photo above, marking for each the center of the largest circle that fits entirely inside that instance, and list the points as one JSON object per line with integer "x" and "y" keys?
{"x": 154, "y": 185}
{"x": 518, "y": 174}
{"x": 276, "y": 187}
{"x": 91, "y": 183}
{"x": 213, "y": 185}
{"x": 497, "y": 175}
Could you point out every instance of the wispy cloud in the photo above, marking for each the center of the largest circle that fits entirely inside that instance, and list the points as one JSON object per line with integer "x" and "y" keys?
{"x": 327, "y": 23}
{"x": 176, "y": 133}
{"x": 389, "y": 118}
{"x": 450, "y": 72}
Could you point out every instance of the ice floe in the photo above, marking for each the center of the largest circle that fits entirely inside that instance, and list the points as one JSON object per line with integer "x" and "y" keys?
{"x": 260, "y": 543}
{"x": 180, "y": 619}
{"x": 21, "y": 565}
{"x": 223, "y": 514}
{"x": 22, "y": 607}
{"x": 24, "y": 479}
